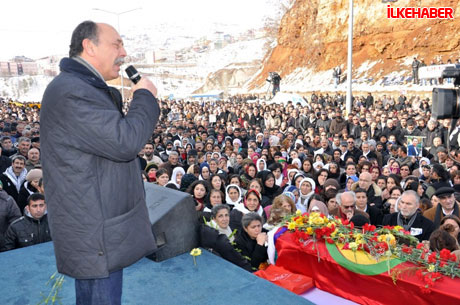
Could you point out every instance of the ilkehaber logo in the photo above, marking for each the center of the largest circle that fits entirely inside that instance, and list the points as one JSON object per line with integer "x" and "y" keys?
{"x": 420, "y": 12}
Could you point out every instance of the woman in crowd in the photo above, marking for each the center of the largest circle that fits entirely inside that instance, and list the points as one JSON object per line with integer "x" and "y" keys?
{"x": 205, "y": 172}
{"x": 162, "y": 177}
{"x": 176, "y": 177}
{"x": 216, "y": 237}
{"x": 233, "y": 195}
{"x": 269, "y": 189}
{"x": 199, "y": 190}
{"x": 217, "y": 183}
{"x": 251, "y": 203}
{"x": 277, "y": 170}
{"x": 307, "y": 167}
{"x": 316, "y": 204}
{"x": 451, "y": 224}
{"x": 252, "y": 240}
{"x": 282, "y": 205}
{"x": 29, "y": 186}
{"x": 306, "y": 190}
{"x": 375, "y": 173}
{"x": 214, "y": 198}
{"x": 320, "y": 178}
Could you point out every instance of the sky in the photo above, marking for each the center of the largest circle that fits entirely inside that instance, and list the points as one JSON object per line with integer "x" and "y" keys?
{"x": 39, "y": 28}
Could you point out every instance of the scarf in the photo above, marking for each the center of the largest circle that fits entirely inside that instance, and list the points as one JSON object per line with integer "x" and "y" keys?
{"x": 84, "y": 71}
{"x": 240, "y": 207}
{"x": 17, "y": 181}
{"x": 400, "y": 221}
{"x": 228, "y": 200}
{"x": 227, "y": 231}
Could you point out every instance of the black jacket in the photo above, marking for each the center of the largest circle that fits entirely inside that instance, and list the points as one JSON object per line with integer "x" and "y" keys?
{"x": 9, "y": 212}
{"x": 219, "y": 244}
{"x": 254, "y": 252}
{"x": 420, "y": 222}
{"x": 27, "y": 231}
{"x": 26, "y": 190}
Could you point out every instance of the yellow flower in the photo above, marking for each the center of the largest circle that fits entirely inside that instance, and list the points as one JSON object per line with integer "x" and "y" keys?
{"x": 195, "y": 252}
{"x": 333, "y": 234}
{"x": 291, "y": 226}
{"x": 309, "y": 231}
{"x": 318, "y": 221}
{"x": 431, "y": 268}
{"x": 299, "y": 220}
{"x": 298, "y": 212}
{"x": 353, "y": 246}
{"x": 397, "y": 228}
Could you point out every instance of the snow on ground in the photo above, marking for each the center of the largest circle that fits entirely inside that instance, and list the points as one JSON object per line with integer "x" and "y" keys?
{"x": 24, "y": 88}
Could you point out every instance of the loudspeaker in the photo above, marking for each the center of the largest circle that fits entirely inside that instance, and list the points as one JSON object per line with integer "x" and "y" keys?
{"x": 174, "y": 221}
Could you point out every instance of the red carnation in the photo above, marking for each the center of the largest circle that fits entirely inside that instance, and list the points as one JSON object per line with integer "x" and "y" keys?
{"x": 406, "y": 249}
{"x": 420, "y": 246}
{"x": 432, "y": 258}
{"x": 444, "y": 254}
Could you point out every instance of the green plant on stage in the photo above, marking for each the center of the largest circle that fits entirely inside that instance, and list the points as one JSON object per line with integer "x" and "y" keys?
{"x": 57, "y": 280}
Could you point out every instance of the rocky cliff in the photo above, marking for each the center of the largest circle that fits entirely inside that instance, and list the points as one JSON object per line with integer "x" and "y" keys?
{"x": 312, "y": 39}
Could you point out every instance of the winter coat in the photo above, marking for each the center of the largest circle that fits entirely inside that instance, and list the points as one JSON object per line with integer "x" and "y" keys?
{"x": 27, "y": 231}
{"x": 251, "y": 250}
{"x": 219, "y": 244}
{"x": 93, "y": 186}
{"x": 27, "y": 189}
{"x": 9, "y": 212}
{"x": 421, "y": 228}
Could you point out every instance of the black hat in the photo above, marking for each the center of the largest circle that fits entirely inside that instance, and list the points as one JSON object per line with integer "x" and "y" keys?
{"x": 192, "y": 152}
{"x": 444, "y": 192}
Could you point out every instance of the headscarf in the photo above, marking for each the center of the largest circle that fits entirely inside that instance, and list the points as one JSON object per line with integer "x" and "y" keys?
{"x": 296, "y": 161}
{"x": 176, "y": 170}
{"x": 202, "y": 165}
{"x": 304, "y": 197}
{"x": 258, "y": 167}
{"x": 318, "y": 206}
{"x": 228, "y": 200}
{"x": 243, "y": 208}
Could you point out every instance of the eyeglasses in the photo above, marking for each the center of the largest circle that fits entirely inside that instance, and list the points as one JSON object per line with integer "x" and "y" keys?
{"x": 346, "y": 207}
{"x": 351, "y": 142}
{"x": 404, "y": 169}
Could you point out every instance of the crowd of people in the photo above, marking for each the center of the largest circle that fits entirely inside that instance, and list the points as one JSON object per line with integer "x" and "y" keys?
{"x": 248, "y": 163}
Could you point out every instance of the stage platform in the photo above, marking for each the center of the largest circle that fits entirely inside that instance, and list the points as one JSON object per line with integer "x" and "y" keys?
{"x": 176, "y": 281}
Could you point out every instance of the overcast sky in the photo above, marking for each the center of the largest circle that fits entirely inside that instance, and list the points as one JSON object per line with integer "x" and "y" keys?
{"x": 39, "y": 28}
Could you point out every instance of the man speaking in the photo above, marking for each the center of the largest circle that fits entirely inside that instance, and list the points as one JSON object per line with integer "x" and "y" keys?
{"x": 97, "y": 213}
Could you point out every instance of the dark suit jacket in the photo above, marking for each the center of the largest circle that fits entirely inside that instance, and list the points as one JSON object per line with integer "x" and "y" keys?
{"x": 420, "y": 222}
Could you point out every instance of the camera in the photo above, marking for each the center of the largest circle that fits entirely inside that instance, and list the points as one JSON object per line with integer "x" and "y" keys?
{"x": 446, "y": 101}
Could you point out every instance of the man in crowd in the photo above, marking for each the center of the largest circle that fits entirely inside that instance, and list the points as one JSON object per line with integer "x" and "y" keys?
{"x": 33, "y": 159}
{"x": 9, "y": 212}
{"x": 30, "y": 229}
{"x": 408, "y": 217}
{"x": 346, "y": 209}
{"x": 14, "y": 176}
{"x": 447, "y": 206}
{"x": 98, "y": 215}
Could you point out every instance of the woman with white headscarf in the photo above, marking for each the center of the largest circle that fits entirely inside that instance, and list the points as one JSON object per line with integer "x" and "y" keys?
{"x": 176, "y": 177}
{"x": 233, "y": 195}
{"x": 306, "y": 189}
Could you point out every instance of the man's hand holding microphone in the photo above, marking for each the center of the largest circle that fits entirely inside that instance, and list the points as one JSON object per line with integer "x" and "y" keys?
{"x": 140, "y": 82}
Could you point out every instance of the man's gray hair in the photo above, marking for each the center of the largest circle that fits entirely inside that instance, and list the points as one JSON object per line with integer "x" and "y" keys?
{"x": 174, "y": 153}
{"x": 24, "y": 139}
{"x": 338, "y": 197}
{"x": 412, "y": 193}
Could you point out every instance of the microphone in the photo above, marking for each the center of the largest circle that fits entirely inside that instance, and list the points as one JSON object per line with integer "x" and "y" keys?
{"x": 133, "y": 75}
